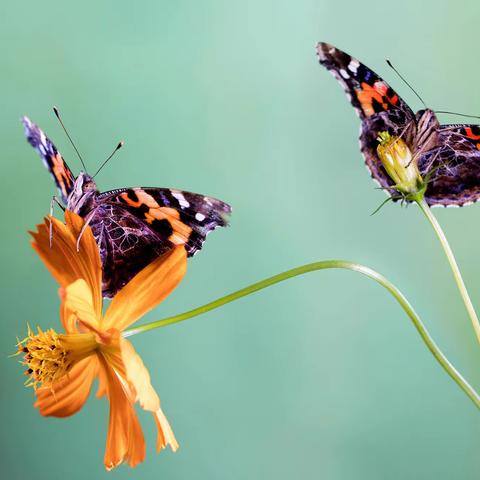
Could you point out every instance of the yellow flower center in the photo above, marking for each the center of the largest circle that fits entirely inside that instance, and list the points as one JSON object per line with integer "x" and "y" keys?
{"x": 48, "y": 355}
{"x": 400, "y": 165}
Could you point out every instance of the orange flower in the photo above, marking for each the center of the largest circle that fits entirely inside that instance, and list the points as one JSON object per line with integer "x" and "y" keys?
{"x": 62, "y": 366}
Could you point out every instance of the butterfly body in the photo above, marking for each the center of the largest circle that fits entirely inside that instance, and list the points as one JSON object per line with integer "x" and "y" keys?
{"x": 132, "y": 226}
{"x": 448, "y": 156}
{"x": 83, "y": 197}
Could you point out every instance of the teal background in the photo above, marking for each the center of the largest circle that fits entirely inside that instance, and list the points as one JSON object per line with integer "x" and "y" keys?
{"x": 320, "y": 377}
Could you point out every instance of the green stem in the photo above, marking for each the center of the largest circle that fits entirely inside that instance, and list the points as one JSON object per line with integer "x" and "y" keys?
{"x": 328, "y": 264}
{"x": 453, "y": 265}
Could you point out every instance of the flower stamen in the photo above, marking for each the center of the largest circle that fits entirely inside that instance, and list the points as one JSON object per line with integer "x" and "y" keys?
{"x": 49, "y": 355}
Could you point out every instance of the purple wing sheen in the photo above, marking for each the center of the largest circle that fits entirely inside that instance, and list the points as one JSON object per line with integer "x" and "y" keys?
{"x": 62, "y": 175}
{"x": 136, "y": 225}
{"x": 453, "y": 166}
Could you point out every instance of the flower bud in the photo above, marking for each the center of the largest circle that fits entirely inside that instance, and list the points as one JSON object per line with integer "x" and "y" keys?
{"x": 400, "y": 165}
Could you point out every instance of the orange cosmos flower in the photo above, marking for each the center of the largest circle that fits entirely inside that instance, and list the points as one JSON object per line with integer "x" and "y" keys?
{"x": 63, "y": 366}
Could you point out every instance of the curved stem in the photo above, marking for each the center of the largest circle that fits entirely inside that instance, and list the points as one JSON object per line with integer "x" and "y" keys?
{"x": 453, "y": 265}
{"x": 327, "y": 264}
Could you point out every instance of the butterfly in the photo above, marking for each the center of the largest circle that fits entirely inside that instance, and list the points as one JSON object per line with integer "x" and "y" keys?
{"x": 132, "y": 226}
{"x": 447, "y": 155}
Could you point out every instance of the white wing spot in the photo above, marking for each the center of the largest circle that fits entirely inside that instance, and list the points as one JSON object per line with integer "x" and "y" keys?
{"x": 200, "y": 217}
{"x": 344, "y": 73}
{"x": 43, "y": 139}
{"x": 181, "y": 199}
{"x": 353, "y": 65}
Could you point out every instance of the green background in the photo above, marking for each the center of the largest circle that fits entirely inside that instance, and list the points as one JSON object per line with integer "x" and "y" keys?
{"x": 320, "y": 377}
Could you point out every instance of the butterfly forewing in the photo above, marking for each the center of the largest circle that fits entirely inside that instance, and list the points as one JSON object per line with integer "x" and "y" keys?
{"x": 53, "y": 161}
{"x": 181, "y": 217}
{"x": 368, "y": 93}
{"x": 375, "y": 102}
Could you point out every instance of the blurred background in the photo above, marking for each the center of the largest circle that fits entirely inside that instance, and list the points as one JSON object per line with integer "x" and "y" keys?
{"x": 320, "y": 377}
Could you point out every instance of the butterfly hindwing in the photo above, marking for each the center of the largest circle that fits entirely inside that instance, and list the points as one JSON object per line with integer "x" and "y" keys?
{"x": 454, "y": 166}
{"x": 125, "y": 243}
{"x": 52, "y": 159}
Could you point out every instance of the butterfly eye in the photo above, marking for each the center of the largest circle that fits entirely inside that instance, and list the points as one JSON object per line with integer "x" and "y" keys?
{"x": 86, "y": 183}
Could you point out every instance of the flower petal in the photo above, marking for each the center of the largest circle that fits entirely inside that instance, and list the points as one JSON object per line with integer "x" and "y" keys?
{"x": 146, "y": 290}
{"x": 165, "y": 433}
{"x": 78, "y": 305}
{"x": 102, "y": 389}
{"x": 139, "y": 378}
{"x": 125, "y": 442}
{"x": 68, "y": 395}
{"x": 62, "y": 259}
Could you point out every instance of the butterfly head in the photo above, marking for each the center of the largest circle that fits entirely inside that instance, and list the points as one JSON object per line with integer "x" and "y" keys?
{"x": 82, "y": 197}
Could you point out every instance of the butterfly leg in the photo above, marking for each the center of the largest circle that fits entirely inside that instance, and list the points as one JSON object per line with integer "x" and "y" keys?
{"x": 82, "y": 231}
{"x": 54, "y": 201}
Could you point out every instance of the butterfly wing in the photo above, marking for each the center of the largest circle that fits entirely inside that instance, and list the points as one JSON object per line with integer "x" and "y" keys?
{"x": 134, "y": 226}
{"x": 375, "y": 102}
{"x": 453, "y": 166}
{"x": 184, "y": 218}
{"x": 126, "y": 245}
{"x": 367, "y": 92}
{"x": 61, "y": 174}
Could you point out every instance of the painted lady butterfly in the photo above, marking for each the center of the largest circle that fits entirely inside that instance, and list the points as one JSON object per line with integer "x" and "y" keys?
{"x": 447, "y": 155}
{"x": 132, "y": 226}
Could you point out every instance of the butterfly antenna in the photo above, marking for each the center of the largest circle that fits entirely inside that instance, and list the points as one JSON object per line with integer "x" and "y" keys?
{"x": 57, "y": 114}
{"x": 118, "y": 147}
{"x": 389, "y": 63}
{"x": 459, "y": 114}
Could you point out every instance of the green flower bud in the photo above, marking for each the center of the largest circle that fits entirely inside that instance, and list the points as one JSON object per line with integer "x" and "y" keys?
{"x": 400, "y": 165}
